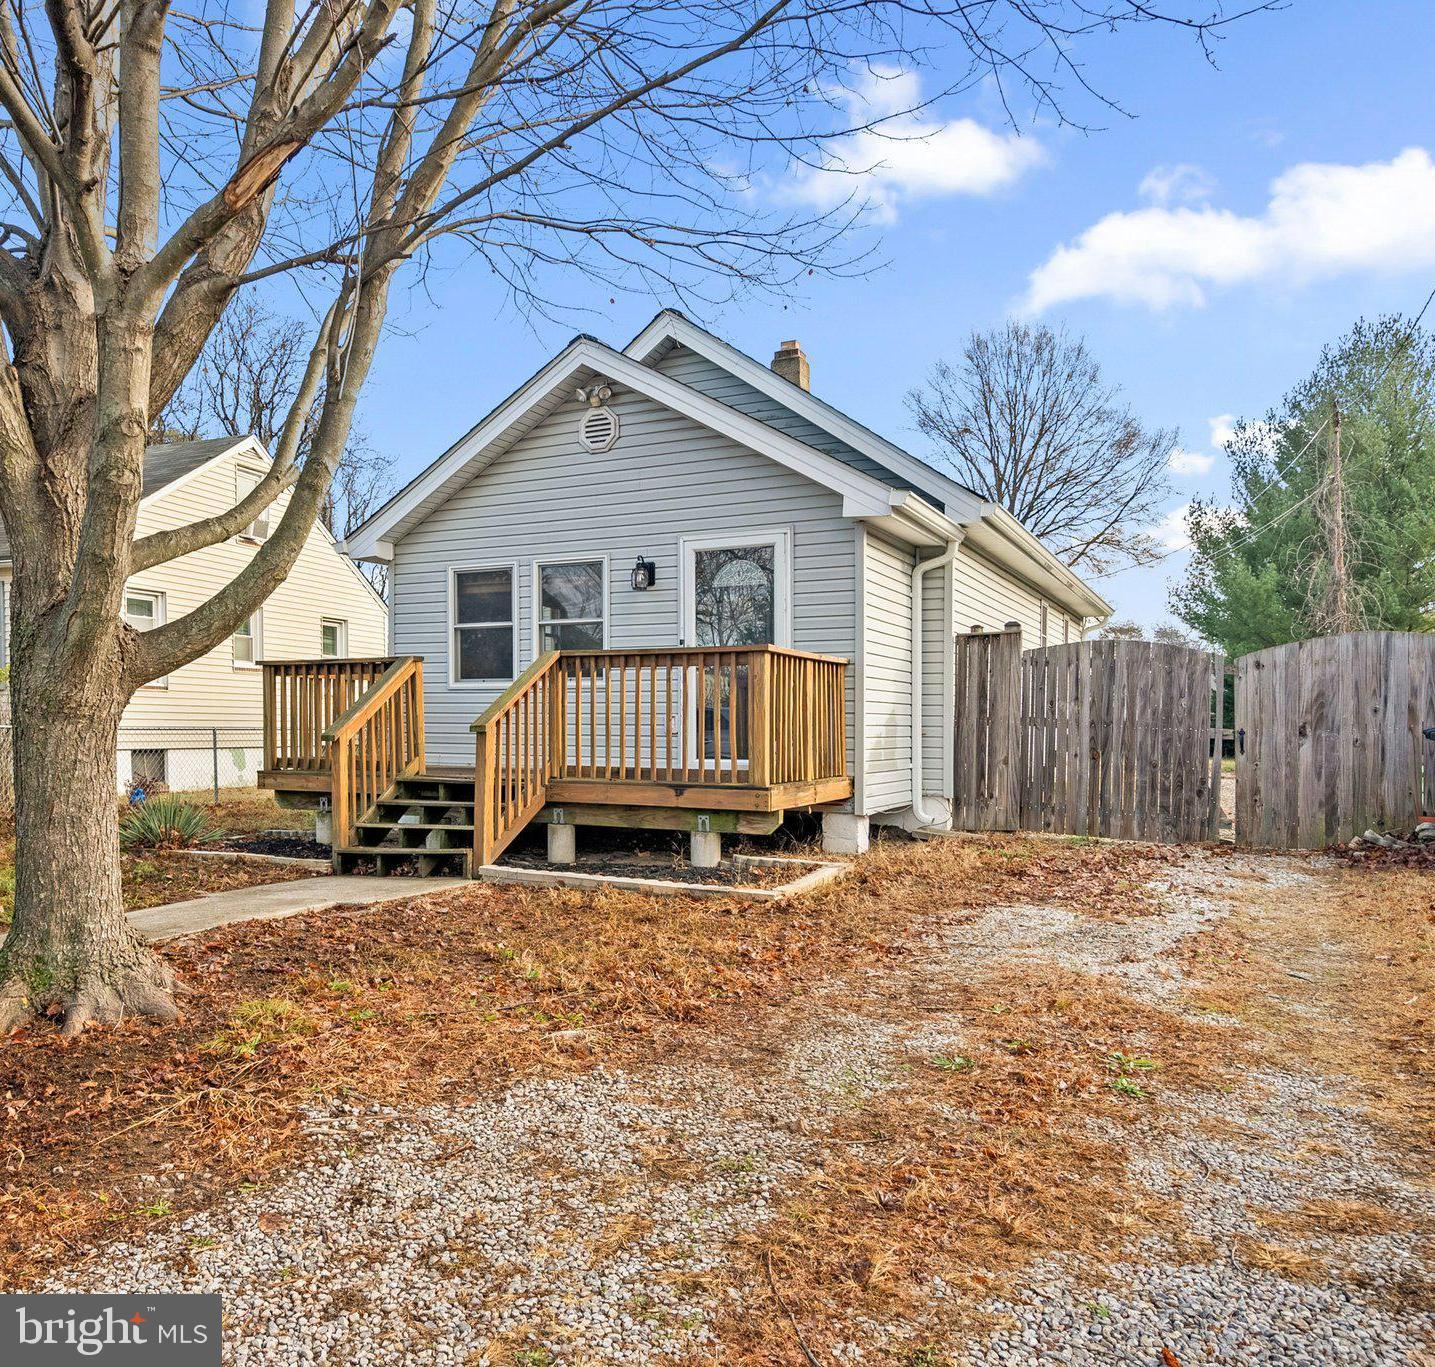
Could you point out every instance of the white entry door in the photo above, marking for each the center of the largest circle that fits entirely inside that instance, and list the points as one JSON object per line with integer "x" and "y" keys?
{"x": 737, "y": 591}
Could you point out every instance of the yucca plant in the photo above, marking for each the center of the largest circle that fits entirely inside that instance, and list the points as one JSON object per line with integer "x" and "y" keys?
{"x": 165, "y": 823}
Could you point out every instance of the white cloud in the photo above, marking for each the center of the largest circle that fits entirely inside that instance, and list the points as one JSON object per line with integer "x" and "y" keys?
{"x": 1171, "y": 532}
{"x": 1223, "y": 428}
{"x": 1321, "y": 221}
{"x": 912, "y": 156}
{"x": 1184, "y": 183}
{"x": 1189, "y": 462}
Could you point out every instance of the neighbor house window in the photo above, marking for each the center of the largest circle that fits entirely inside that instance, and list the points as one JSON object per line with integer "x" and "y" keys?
{"x": 248, "y": 641}
{"x": 1044, "y": 622}
{"x": 144, "y": 611}
{"x": 333, "y": 638}
{"x": 483, "y": 637}
{"x": 4, "y": 624}
{"x": 572, "y": 605}
{"x": 246, "y": 480}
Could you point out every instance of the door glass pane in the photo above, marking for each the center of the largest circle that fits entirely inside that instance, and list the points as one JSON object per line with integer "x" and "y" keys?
{"x": 735, "y": 596}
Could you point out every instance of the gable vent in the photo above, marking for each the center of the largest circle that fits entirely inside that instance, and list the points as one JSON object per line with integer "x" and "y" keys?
{"x": 598, "y": 429}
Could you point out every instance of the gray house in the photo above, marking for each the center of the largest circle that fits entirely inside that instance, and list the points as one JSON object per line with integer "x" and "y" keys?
{"x": 631, "y": 510}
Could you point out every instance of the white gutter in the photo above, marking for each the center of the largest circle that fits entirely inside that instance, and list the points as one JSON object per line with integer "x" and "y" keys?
{"x": 923, "y": 814}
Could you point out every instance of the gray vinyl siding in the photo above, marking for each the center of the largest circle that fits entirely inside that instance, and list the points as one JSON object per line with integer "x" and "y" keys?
{"x": 701, "y": 374}
{"x": 988, "y": 596}
{"x": 887, "y": 670}
{"x": 666, "y": 478}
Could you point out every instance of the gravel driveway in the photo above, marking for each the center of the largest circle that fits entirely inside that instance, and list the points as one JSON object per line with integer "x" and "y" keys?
{"x": 589, "y": 1219}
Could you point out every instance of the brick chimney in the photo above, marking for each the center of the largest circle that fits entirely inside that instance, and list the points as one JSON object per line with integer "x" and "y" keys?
{"x": 791, "y": 363}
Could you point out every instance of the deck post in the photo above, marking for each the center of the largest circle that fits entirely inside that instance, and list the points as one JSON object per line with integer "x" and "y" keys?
{"x": 759, "y": 712}
{"x": 483, "y": 797}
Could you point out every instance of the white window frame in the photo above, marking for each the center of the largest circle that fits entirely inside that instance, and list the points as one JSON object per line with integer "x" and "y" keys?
{"x": 538, "y": 622}
{"x": 256, "y": 634}
{"x": 246, "y": 479}
{"x": 157, "y": 597}
{"x": 453, "y": 572}
{"x": 779, "y": 538}
{"x": 342, "y": 637}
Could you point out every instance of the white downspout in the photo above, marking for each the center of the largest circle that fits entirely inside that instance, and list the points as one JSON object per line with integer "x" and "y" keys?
{"x": 940, "y": 560}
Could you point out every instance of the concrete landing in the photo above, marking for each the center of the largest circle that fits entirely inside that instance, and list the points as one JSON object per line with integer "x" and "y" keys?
{"x": 273, "y": 901}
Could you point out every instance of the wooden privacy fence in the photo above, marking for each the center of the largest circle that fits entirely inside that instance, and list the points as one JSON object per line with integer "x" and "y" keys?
{"x": 1109, "y": 738}
{"x": 1331, "y": 738}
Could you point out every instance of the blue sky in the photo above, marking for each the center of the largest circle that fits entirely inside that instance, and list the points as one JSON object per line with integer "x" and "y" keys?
{"x": 1206, "y": 293}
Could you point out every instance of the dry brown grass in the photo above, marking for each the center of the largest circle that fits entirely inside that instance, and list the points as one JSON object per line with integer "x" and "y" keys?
{"x": 970, "y": 1172}
{"x": 438, "y": 998}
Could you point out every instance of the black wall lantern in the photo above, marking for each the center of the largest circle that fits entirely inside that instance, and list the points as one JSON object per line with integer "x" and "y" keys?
{"x": 645, "y": 574}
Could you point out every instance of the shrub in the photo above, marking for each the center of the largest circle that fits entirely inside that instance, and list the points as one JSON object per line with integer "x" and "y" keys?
{"x": 165, "y": 823}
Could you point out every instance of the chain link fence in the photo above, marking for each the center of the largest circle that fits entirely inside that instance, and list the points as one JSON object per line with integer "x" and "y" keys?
{"x": 202, "y": 760}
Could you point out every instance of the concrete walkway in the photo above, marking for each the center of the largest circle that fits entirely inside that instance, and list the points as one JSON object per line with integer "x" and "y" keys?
{"x": 272, "y": 901}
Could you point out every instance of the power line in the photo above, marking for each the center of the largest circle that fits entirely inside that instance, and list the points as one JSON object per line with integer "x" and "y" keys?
{"x": 1281, "y": 470}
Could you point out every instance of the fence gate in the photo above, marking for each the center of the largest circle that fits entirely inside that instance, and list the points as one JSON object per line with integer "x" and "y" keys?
{"x": 1334, "y": 735}
{"x": 1110, "y": 738}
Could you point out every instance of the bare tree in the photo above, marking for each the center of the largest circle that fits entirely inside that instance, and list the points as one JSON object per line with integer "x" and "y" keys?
{"x": 245, "y": 383}
{"x": 156, "y": 162}
{"x": 1027, "y": 421}
{"x": 1134, "y": 631}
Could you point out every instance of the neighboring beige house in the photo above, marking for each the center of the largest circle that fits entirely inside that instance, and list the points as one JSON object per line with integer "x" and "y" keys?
{"x": 210, "y": 713}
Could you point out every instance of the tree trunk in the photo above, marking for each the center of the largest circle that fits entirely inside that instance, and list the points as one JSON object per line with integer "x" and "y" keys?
{"x": 70, "y": 951}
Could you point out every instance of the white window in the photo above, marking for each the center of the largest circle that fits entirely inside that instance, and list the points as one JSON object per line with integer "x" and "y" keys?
{"x": 482, "y": 621}
{"x": 572, "y": 605}
{"x": 248, "y": 642}
{"x": 246, "y": 480}
{"x": 144, "y": 611}
{"x": 1044, "y": 622}
{"x": 333, "y": 638}
{"x": 4, "y": 624}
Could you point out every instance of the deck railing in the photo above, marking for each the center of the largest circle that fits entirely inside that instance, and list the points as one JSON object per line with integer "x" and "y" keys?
{"x": 722, "y": 718}
{"x": 301, "y": 700}
{"x": 378, "y": 740}
{"x": 517, "y": 751}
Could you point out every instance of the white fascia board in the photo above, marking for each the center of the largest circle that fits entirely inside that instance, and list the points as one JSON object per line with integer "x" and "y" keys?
{"x": 674, "y": 328}
{"x": 910, "y": 519}
{"x": 1004, "y": 538}
{"x": 585, "y": 354}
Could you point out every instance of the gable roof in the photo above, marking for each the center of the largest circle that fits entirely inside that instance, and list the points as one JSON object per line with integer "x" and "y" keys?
{"x": 169, "y": 463}
{"x": 584, "y": 358}
{"x": 673, "y": 329}
{"x": 886, "y": 487}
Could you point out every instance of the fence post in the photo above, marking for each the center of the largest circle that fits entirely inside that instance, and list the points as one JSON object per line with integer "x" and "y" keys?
{"x": 214, "y": 759}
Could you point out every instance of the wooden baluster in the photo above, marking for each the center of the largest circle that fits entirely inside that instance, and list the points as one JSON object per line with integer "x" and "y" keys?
{"x": 668, "y": 725}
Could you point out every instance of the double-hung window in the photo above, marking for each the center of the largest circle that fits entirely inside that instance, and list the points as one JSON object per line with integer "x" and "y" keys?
{"x": 248, "y": 642}
{"x": 333, "y": 638}
{"x": 483, "y": 630}
{"x": 246, "y": 481}
{"x": 572, "y": 605}
{"x": 144, "y": 611}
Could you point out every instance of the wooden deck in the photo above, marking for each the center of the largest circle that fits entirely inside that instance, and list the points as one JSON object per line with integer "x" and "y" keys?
{"x": 753, "y": 730}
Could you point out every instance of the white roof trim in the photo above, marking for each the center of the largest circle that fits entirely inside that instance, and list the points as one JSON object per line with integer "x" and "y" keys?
{"x": 862, "y": 495}
{"x": 673, "y": 327}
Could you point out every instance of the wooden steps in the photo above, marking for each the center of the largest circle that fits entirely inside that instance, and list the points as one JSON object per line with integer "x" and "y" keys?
{"x": 423, "y": 824}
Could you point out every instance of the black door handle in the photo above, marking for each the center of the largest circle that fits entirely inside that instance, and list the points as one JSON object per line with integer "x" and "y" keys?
{"x": 1241, "y": 739}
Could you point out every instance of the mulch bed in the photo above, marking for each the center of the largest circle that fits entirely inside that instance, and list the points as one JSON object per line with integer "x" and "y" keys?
{"x": 612, "y": 864}
{"x": 286, "y": 846}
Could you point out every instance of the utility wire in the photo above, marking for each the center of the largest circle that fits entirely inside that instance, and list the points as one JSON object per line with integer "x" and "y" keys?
{"x": 1252, "y": 533}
